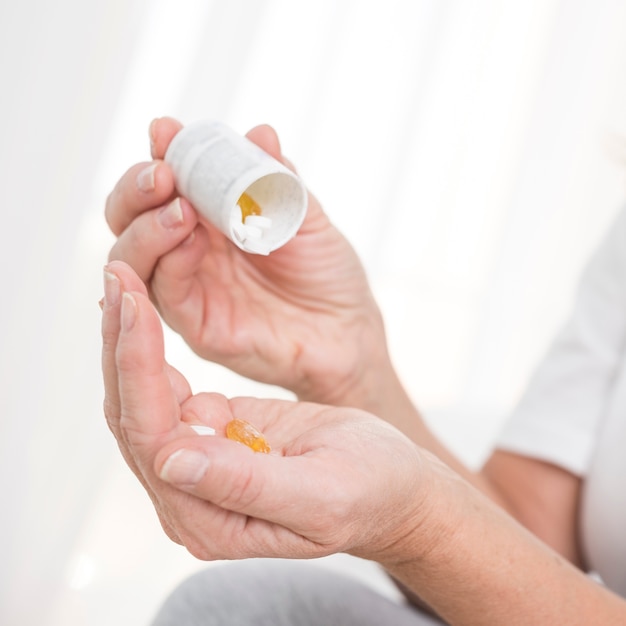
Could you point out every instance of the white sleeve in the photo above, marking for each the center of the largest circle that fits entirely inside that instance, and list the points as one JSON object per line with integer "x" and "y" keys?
{"x": 558, "y": 415}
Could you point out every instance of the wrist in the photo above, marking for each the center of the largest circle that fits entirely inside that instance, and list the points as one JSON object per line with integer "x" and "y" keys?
{"x": 374, "y": 386}
{"x": 351, "y": 367}
{"x": 422, "y": 526}
{"x": 472, "y": 563}
{"x": 370, "y": 383}
{"x": 425, "y": 539}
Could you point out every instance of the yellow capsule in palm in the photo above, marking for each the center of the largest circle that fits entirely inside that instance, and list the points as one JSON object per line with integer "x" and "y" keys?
{"x": 246, "y": 433}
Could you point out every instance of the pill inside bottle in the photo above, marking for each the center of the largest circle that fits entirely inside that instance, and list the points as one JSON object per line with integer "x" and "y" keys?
{"x": 250, "y": 226}
{"x": 246, "y": 433}
{"x": 248, "y": 206}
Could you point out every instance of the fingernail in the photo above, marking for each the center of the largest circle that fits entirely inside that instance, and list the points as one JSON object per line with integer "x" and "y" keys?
{"x": 185, "y": 467}
{"x": 171, "y": 216}
{"x": 145, "y": 178}
{"x": 111, "y": 289}
{"x": 129, "y": 312}
{"x": 151, "y": 131}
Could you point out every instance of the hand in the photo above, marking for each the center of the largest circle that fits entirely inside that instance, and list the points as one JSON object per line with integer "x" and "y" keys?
{"x": 336, "y": 479}
{"x": 302, "y": 318}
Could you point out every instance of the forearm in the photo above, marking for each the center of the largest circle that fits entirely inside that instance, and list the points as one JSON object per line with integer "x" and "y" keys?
{"x": 508, "y": 481}
{"x": 480, "y": 566}
{"x": 540, "y": 496}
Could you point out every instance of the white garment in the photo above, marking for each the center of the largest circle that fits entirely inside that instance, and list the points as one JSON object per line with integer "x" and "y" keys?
{"x": 573, "y": 413}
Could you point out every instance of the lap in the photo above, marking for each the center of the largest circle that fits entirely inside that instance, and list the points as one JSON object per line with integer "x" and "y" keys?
{"x": 264, "y": 592}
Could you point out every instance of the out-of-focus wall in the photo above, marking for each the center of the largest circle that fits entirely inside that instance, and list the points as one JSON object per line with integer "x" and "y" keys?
{"x": 470, "y": 150}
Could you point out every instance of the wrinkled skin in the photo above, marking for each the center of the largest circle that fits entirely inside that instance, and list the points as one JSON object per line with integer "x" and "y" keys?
{"x": 337, "y": 479}
{"x": 302, "y": 317}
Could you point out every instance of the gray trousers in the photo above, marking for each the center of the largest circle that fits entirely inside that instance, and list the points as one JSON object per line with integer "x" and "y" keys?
{"x": 281, "y": 593}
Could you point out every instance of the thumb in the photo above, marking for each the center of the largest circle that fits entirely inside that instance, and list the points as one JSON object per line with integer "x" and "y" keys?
{"x": 266, "y": 138}
{"x": 278, "y": 489}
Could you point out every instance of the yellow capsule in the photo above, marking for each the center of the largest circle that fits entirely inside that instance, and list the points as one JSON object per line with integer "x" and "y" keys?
{"x": 248, "y": 206}
{"x": 246, "y": 433}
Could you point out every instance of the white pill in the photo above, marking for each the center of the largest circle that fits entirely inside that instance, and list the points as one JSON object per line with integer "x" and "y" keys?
{"x": 256, "y": 246}
{"x": 260, "y": 221}
{"x": 252, "y": 232}
{"x": 201, "y": 429}
{"x": 239, "y": 230}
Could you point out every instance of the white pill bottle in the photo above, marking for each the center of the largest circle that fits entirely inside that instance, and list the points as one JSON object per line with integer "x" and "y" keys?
{"x": 215, "y": 169}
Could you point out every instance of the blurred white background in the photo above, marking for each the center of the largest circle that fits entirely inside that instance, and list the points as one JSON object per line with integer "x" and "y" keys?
{"x": 472, "y": 150}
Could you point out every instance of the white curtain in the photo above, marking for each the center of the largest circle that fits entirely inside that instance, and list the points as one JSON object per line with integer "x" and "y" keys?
{"x": 471, "y": 150}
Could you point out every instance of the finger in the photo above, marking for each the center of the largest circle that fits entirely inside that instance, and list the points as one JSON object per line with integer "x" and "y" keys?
{"x": 266, "y": 138}
{"x": 196, "y": 411}
{"x": 143, "y": 186}
{"x": 175, "y": 274}
{"x": 110, "y": 331}
{"x": 269, "y": 487}
{"x": 153, "y": 234}
{"x": 162, "y": 131}
{"x": 180, "y": 385}
{"x": 113, "y": 288}
{"x": 117, "y": 278}
{"x": 210, "y": 532}
{"x": 148, "y": 402}
{"x": 124, "y": 278}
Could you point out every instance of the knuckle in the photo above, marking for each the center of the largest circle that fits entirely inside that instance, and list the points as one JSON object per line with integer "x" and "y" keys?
{"x": 110, "y": 211}
{"x": 128, "y": 362}
{"x": 140, "y": 233}
{"x": 109, "y": 336}
{"x": 168, "y": 529}
{"x": 114, "y": 254}
{"x": 111, "y": 410}
{"x": 198, "y": 549}
{"x": 243, "y": 491}
{"x": 117, "y": 200}
{"x": 137, "y": 239}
